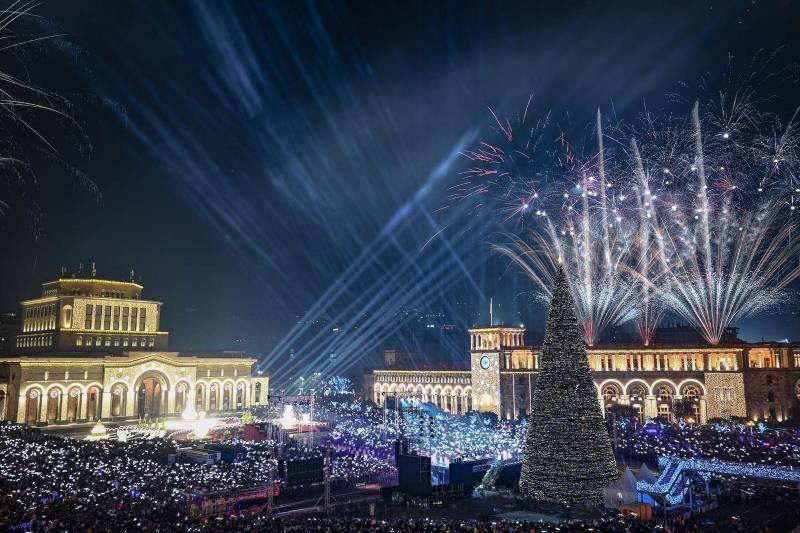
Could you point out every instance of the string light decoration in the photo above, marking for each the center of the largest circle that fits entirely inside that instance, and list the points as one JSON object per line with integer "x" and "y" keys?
{"x": 568, "y": 454}
{"x": 672, "y": 483}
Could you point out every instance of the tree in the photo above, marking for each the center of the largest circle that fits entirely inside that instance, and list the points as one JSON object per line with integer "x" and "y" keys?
{"x": 568, "y": 454}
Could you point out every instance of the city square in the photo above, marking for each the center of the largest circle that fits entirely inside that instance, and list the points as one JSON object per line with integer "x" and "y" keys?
{"x": 400, "y": 266}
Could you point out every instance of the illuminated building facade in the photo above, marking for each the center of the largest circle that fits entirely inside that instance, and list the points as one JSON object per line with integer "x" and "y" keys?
{"x": 91, "y": 315}
{"x": 757, "y": 381}
{"x": 92, "y": 349}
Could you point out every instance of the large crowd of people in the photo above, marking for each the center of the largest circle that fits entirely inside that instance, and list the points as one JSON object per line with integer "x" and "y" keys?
{"x": 736, "y": 442}
{"x": 125, "y": 484}
{"x": 611, "y": 523}
{"x": 368, "y": 427}
{"x": 50, "y": 483}
{"x": 365, "y": 427}
{"x": 54, "y": 483}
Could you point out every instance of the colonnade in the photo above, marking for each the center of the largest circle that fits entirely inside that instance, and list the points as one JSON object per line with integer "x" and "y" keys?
{"x": 495, "y": 339}
{"x": 452, "y": 401}
{"x": 663, "y": 361}
{"x": 76, "y": 403}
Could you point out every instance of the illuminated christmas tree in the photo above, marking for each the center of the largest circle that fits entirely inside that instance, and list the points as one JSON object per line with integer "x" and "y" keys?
{"x": 568, "y": 454}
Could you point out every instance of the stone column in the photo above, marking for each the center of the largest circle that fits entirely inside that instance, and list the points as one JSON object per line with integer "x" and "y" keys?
{"x": 105, "y": 404}
{"x": 62, "y": 411}
{"x": 43, "y": 401}
{"x": 22, "y": 405}
{"x": 650, "y": 408}
{"x": 703, "y": 410}
{"x": 167, "y": 403}
{"x": 83, "y": 411}
{"x": 191, "y": 397}
{"x": 130, "y": 401}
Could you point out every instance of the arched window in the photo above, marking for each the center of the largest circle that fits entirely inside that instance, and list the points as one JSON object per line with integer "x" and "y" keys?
{"x": 226, "y": 397}
{"x": 258, "y": 393}
{"x": 240, "y": 395}
{"x": 212, "y": 398}
{"x": 199, "y": 398}
{"x": 73, "y": 404}
{"x": 92, "y": 404}
{"x": 53, "y": 404}
{"x": 32, "y": 407}
{"x": 664, "y": 393}
{"x": 610, "y": 393}
{"x": 637, "y": 393}
{"x": 180, "y": 397}
{"x": 66, "y": 316}
{"x": 117, "y": 401}
{"x": 691, "y": 392}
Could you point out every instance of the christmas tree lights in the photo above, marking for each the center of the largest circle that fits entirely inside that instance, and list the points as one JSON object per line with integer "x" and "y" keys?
{"x": 568, "y": 454}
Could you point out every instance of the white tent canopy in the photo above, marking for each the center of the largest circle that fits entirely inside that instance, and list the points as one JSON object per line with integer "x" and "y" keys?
{"x": 622, "y": 491}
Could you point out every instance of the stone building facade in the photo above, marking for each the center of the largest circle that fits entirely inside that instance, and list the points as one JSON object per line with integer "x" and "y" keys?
{"x": 91, "y": 315}
{"x": 89, "y": 350}
{"x": 756, "y": 381}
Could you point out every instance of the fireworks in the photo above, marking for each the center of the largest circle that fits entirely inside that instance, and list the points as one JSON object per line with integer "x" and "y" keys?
{"x": 722, "y": 262}
{"x": 590, "y": 238}
{"x": 23, "y": 104}
{"x": 602, "y": 291}
{"x": 690, "y": 213}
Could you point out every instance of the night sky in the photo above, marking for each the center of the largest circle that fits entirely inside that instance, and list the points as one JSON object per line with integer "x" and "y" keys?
{"x": 264, "y": 163}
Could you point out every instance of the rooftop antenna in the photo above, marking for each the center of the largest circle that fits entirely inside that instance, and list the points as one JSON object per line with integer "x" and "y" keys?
{"x": 133, "y": 276}
{"x": 94, "y": 270}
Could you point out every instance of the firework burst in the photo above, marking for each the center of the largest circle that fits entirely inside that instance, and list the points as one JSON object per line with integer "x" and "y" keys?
{"x": 578, "y": 222}
{"x": 722, "y": 260}
{"x": 689, "y": 213}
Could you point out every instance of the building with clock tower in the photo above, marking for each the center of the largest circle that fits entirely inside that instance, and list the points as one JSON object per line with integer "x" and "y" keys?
{"x": 732, "y": 379}
{"x": 493, "y": 352}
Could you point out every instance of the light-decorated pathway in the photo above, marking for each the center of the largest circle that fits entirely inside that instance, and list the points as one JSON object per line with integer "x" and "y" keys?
{"x": 676, "y": 475}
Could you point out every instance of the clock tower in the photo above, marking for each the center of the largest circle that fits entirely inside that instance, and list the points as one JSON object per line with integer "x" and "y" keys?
{"x": 490, "y": 348}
